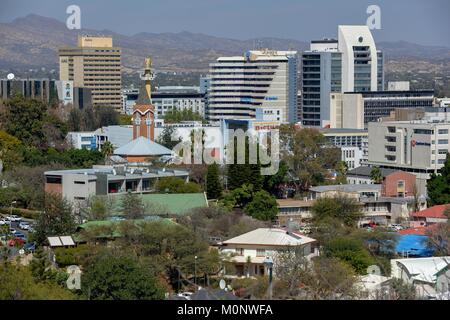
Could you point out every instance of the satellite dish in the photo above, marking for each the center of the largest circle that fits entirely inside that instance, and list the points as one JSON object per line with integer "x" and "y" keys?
{"x": 10, "y": 76}
{"x": 222, "y": 284}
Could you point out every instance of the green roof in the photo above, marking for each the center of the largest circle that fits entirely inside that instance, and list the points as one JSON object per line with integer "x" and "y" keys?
{"x": 166, "y": 203}
{"x": 113, "y": 224}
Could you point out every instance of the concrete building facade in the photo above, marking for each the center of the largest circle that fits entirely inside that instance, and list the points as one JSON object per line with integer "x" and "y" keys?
{"x": 96, "y": 64}
{"x": 259, "y": 79}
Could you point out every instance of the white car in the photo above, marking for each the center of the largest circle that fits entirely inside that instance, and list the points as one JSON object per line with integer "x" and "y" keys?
{"x": 4, "y": 222}
{"x": 24, "y": 226}
{"x": 14, "y": 218}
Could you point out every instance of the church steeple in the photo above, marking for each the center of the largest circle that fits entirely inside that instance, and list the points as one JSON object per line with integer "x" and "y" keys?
{"x": 143, "y": 114}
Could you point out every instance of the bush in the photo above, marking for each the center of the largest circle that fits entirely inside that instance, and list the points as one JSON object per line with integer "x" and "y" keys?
{"x": 69, "y": 256}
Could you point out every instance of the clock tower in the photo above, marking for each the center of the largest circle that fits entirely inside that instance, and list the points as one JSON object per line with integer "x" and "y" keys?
{"x": 144, "y": 111}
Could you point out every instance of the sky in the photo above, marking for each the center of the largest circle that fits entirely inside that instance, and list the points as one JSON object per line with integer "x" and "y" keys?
{"x": 420, "y": 21}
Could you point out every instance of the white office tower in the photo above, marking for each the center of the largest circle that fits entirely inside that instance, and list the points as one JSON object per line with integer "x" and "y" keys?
{"x": 359, "y": 59}
{"x": 349, "y": 64}
{"x": 264, "y": 79}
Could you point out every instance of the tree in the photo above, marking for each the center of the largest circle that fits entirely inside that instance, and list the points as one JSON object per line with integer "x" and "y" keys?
{"x": 177, "y": 115}
{"x": 40, "y": 265}
{"x": 438, "y": 186}
{"x": 107, "y": 150}
{"x": 376, "y": 175}
{"x": 10, "y": 151}
{"x": 262, "y": 207}
{"x": 350, "y": 251}
{"x": 246, "y": 173}
{"x": 132, "y": 206}
{"x": 341, "y": 169}
{"x": 308, "y": 154}
{"x": 177, "y": 185}
{"x": 165, "y": 138}
{"x": 98, "y": 209}
{"x": 213, "y": 185}
{"x": 17, "y": 283}
{"x": 345, "y": 209}
{"x": 112, "y": 277}
{"x": 56, "y": 220}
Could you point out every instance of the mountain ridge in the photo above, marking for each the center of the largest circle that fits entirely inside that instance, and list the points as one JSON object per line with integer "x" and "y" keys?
{"x": 32, "y": 41}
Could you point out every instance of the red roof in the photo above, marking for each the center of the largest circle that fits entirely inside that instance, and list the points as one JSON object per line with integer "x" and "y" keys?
{"x": 420, "y": 231}
{"x": 433, "y": 212}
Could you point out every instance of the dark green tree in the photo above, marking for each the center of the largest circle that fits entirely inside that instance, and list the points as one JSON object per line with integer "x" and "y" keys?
{"x": 41, "y": 266}
{"x": 262, "y": 207}
{"x": 438, "y": 186}
{"x": 112, "y": 277}
{"x": 345, "y": 209}
{"x": 165, "y": 138}
{"x": 213, "y": 184}
{"x": 376, "y": 175}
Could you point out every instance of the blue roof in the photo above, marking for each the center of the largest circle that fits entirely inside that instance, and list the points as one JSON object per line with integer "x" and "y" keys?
{"x": 414, "y": 245}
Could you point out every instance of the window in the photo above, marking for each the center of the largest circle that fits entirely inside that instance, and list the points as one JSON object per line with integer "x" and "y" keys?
{"x": 442, "y": 151}
{"x": 260, "y": 252}
{"x": 423, "y": 131}
{"x": 240, "y": 251}
{"x": 400, "y": 184}
{"x": 79, "y": 182}
{"x": 443, "y": 131}
{"x": 443, "y": 141}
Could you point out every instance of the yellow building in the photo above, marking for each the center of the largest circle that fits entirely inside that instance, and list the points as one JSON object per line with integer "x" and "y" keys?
{"x": 96, "y": 64}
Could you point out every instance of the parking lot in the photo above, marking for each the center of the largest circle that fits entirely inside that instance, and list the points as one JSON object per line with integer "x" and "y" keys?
{"x": 15, "y": 225}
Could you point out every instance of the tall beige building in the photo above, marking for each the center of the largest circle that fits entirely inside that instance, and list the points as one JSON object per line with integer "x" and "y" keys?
{"x": 96, "y": 64}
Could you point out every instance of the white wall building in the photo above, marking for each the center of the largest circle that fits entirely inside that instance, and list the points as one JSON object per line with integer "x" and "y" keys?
{"x": 430, "y": 276}
{"x": 352, "y": 156}
{"x": 248, "y": 251}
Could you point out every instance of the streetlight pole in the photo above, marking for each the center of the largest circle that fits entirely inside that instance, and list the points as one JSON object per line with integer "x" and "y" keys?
{"x": 195, "y": 272}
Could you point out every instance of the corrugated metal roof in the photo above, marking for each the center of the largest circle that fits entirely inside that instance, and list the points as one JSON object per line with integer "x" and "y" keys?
{"x": 142, "y": 147}
{"x": 270, "y": 237}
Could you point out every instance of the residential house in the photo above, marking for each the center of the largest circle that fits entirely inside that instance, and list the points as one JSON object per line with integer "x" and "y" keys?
{"x": 430, "y": 276}
{"x": 247, "y": 252}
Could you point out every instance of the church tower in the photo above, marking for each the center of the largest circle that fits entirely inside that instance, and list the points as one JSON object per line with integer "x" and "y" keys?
{"x": 144, "y": 111}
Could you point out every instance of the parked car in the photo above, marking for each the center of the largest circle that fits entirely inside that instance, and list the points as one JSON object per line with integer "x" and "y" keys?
{"x": 30, "y": 247}
{"x": 24, "y": 225}
{"x": 19, "y": 235}
{"x": 16, "y": 242}
{"x": 12, "y": 231}
{"x": 4, "y": 222}
{"x": 14, "y": 218}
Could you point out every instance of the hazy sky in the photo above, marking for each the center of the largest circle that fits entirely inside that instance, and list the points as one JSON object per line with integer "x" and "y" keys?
{"x": 419, "y": 21}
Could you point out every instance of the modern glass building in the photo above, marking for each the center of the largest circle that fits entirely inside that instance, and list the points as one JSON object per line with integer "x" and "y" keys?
{"x": 350, "y": 63}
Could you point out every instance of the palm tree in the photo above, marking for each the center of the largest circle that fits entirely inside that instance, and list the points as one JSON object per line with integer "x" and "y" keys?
{"x": 107, "y": 150}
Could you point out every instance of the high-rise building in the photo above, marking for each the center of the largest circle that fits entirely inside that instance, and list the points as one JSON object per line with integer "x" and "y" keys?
{"x": 259, "y": 79}
{"x": 349, "y": 64}
{"x": 96, "y": 64}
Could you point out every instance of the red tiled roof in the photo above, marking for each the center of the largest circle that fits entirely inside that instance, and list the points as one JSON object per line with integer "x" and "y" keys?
{"x": 433, "y": 212}
{"x": 420, "y": 231}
